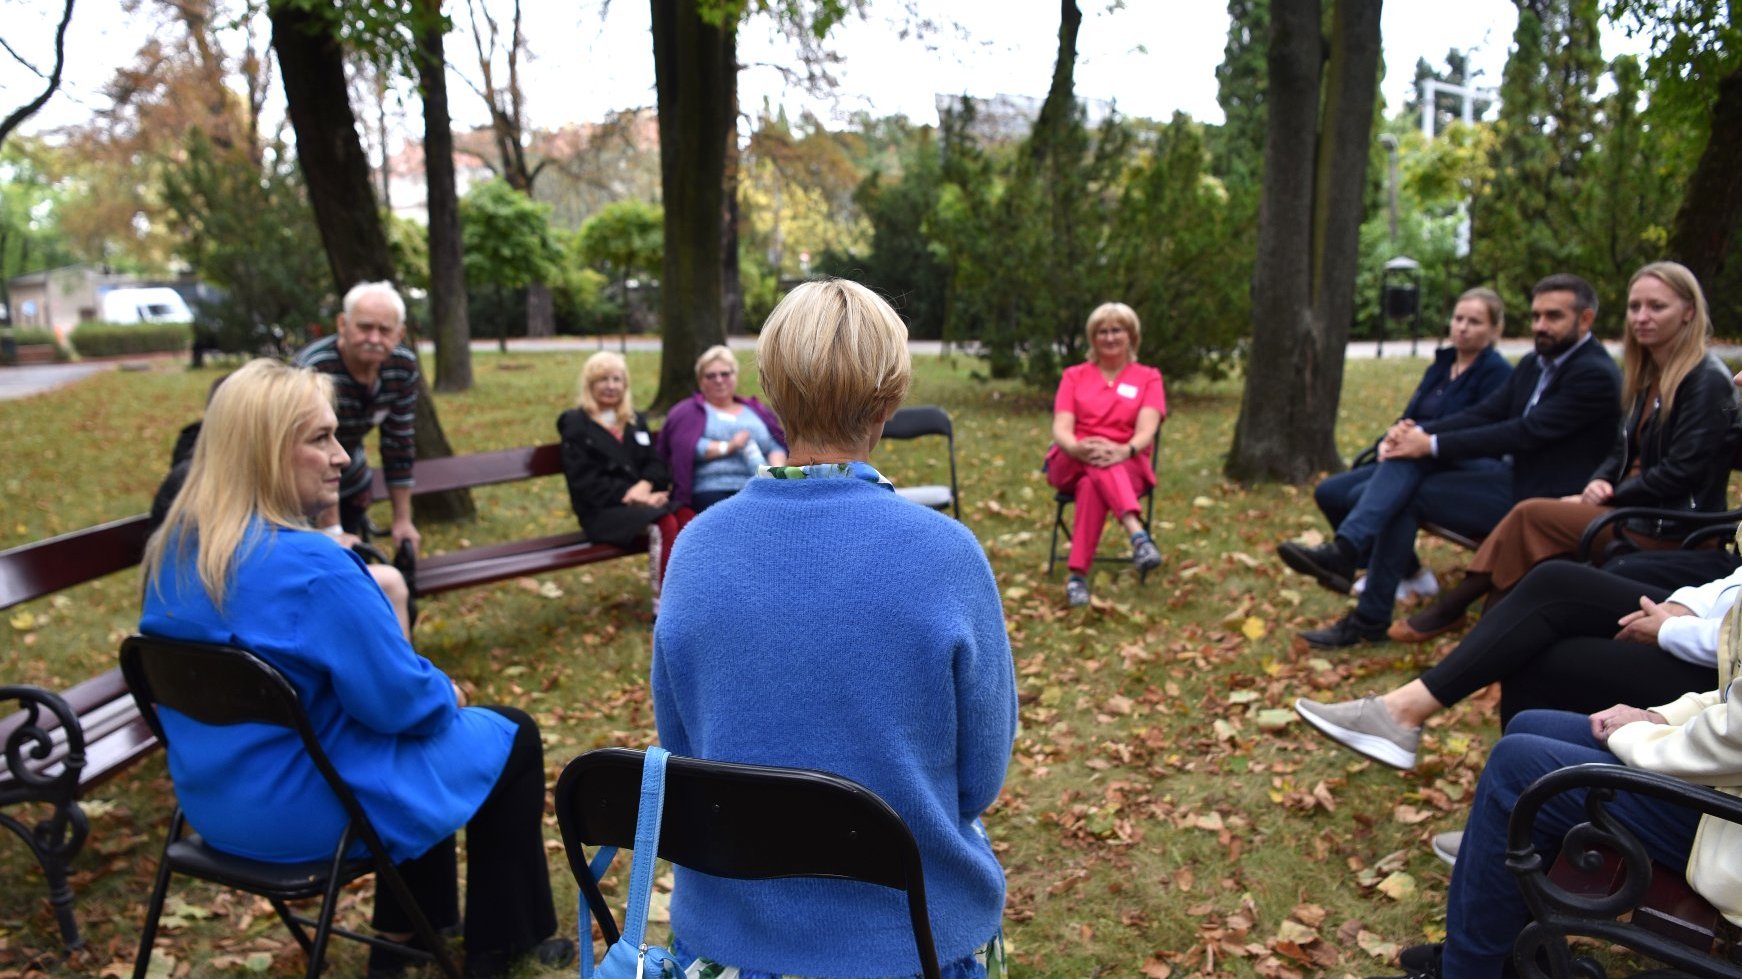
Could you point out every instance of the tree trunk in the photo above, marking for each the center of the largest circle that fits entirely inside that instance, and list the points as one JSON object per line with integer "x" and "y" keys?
{"x": 1309, "y": 219}
{"x": 731, "y": 273}
{"x": 334, "y": 166}
{"x": 1709, "y": 212}
{"x": 447, "y": 277}
{"x": 336, "y": 173}
{"x": 695, "y": 75}
{"x": 540, "y": 311}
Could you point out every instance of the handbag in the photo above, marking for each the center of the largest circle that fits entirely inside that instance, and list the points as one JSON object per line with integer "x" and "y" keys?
{"x": 630, "y": 957}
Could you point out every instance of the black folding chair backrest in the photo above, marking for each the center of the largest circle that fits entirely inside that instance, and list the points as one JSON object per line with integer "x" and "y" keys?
{"x": 746, "y": 822}
{"x": 224, "y": 686}
{"x": 917, "y": 422}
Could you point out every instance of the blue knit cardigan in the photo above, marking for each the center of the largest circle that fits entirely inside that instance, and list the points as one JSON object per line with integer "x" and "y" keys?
{"x": 831, "y": 624}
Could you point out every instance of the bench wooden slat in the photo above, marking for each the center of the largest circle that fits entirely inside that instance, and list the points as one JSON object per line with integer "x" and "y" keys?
{"x": 43, "y": 567}
{"x": 478, "y": 469}
{"x": 115, "y": 733}
{"x": 463, "y": 571}
{"x": 1670, "y": 908}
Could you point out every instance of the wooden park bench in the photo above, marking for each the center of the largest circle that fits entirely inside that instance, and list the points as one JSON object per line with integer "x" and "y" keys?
{"x": 59, "y": 745}
{"x": 512, "y": 559}
{"x": 1604, "y": 885}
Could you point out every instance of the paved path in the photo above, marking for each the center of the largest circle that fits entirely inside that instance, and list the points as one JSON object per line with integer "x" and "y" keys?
{"x": 20, "y": 382}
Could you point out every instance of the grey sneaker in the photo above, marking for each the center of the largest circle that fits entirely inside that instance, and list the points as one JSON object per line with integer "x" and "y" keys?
{"x": 1076, "y": 592}
{"x": 1363, "y": 726}
{"x": 1145, "y": 555}
{"x": 1446, "y": 845}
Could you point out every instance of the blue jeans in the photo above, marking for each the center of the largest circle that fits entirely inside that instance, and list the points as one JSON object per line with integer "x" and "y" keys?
{"x": 1484, "y": 908}
{"x": 1469, "y": 496}
{"x": 1337, "y": 495}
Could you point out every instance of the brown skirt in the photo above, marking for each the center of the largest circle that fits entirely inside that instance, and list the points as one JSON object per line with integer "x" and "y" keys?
{"x": 1538, "y": 529}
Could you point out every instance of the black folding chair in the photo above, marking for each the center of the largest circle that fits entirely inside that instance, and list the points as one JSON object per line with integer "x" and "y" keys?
{"x": 1064, "y": 499}
{"x": 221, "y": 686}
{"x": 745, "y": 822}
{"x": 917, "y": 422}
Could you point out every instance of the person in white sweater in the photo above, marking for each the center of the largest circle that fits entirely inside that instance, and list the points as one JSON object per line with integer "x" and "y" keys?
{"x": 1697, "y": 737}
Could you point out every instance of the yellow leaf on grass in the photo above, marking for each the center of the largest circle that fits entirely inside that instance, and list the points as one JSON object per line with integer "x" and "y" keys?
{"x": 1398, "y": 886}
{"x": 23, "y": 621}
{"x": 1294, "y": 931}
{"x": 1254, "y": 627}
{"x": 1202, "y": 502}
{"x": 1274, "y": 718}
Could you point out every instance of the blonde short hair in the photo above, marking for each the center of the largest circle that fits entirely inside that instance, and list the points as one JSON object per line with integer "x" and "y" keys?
{"x": 718, "y": 351}
{"x": 833, "y": 362}
{"x": 596, "y": 367}
{"x": 240, "y": 469}
{"x": 1117, "y": 314}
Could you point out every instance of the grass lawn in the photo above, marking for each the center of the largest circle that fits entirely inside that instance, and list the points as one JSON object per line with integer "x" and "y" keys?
{"x": 1165, "y": 812}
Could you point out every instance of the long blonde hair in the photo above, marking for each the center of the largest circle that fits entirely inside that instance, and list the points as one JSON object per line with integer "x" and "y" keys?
{"x": 239, "y": 471}
{"x": 592, "y": 370}
{"x": 1640, "y": 370}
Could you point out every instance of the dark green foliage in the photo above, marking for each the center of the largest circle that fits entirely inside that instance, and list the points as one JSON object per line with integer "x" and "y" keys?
{"x": 1522, "y": 218}
{"x": 247, "y": 230}
{"x": 1237, "y": 146}
{"x": 110, "y": 340}
{"x": 509, "y": 245}
{"x": 1139, "y": 220}
{"x": 902, "y": 264}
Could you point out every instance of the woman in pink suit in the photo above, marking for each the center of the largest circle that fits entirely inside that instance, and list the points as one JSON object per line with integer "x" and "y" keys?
{"x": 1103, "y": 428}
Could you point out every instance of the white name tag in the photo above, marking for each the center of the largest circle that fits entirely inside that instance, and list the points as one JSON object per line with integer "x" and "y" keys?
{"x": 641, "y": 438}
{"x": 1127, "y": 390}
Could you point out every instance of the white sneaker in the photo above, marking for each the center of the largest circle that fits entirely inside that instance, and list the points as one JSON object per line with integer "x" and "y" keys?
{"x": 1422, "y": 585}
{"x": 1363, "y": 726}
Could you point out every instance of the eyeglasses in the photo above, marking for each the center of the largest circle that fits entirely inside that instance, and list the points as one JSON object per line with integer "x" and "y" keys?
{"x": 718, "y": 375}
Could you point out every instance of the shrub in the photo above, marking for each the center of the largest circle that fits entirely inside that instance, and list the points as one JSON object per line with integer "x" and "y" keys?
{"x": 110, "y": 340}
{"x": 32, "y": 337}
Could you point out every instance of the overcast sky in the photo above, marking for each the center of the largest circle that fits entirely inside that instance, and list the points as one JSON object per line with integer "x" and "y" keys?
{"x": 1150, "y": 57}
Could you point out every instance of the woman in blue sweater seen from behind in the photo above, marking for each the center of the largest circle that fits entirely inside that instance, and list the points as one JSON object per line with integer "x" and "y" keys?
{"x": 818, "y": 620}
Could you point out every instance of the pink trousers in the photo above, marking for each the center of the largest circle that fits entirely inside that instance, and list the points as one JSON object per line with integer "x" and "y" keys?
{"x": 1099, "y": 492}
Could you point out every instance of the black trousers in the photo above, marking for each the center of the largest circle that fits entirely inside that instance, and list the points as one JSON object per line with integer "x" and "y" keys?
{"x": 1674, "y": 569}
{"x": 508, "y": 904}
{"x": 1551, "y": 645}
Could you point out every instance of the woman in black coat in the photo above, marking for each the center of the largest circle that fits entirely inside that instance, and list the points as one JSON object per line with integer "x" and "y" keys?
{"x": 618, "y": 485}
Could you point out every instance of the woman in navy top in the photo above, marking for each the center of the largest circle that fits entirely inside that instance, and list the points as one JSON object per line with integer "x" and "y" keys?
{"x": 1460, "y": 375}
{"x": 236, "y": 562}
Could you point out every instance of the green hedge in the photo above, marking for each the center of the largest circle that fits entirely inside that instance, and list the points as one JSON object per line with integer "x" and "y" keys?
{"x": 32, "y": 337}
{"x": 109, "y": 340}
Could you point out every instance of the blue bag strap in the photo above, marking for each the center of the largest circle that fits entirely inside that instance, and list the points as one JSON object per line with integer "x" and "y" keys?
{"x": 647, "y": 823}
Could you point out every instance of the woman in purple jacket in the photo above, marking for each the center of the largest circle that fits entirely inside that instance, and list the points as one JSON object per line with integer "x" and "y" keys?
{"x": 715, "y": 440}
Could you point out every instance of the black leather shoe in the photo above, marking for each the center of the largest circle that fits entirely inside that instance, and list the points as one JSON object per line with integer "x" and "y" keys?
{"x": 1332, "y": 565}
{"x": 1350, "y": 630}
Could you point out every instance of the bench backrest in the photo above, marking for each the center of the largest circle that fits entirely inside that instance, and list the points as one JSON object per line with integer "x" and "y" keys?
{"x": 479, "y": 469}
{"x": 43, "y": 567}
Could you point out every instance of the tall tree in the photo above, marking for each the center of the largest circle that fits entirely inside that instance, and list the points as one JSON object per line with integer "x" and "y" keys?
{"x": 1519, "y": 219}
{"x": 695, "y": 66}
{"x": 305, "y": 33}
{"x": 447, "y": 279}
{"x": 1238, "y": 144}
{"x": 1695, "y": 72}
{"x": 1316, "y": 148}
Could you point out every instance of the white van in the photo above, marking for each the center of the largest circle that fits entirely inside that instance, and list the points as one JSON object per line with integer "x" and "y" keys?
{"x": 156, "y": 304}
